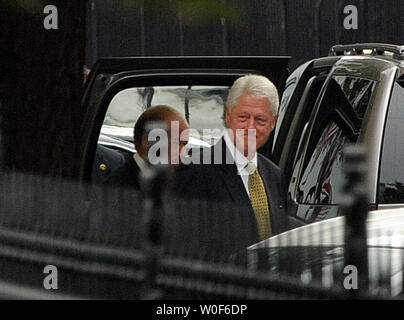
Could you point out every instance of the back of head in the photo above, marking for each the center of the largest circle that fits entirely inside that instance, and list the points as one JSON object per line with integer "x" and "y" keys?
{"x": 257, "y": 86}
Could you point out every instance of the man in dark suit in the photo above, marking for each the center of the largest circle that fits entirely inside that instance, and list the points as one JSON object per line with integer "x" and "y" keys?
{"x": 106, "y": 160}
{"x": 232, "y": 171}
{"x": 128, "y": 174}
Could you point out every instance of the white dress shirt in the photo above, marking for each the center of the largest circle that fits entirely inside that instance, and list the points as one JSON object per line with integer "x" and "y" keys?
{"x": 139, "y": 161}
{"x": 240, "y": 160}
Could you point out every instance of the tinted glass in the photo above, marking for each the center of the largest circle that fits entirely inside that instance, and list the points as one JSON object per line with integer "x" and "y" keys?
{"x": 391, "y": 187}
{"x": 323, "y": 178}
{"x": 338, "y": 122}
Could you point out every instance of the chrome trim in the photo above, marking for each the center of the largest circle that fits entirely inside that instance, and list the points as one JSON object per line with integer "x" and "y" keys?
{"x": 390, "y": 206}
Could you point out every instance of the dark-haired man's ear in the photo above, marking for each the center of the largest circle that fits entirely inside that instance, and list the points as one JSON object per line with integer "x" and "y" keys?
{"x": 143, "y": 147}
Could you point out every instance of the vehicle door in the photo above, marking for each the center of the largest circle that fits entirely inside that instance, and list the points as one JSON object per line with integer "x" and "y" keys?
{"x": 302, "y": 89}
{"x": 317, "y": 177}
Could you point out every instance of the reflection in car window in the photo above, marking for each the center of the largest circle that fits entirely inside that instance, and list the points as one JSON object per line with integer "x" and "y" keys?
{"x": 357, "y": 91}
{"x": 391, "y": 187}
{"x": 322, "y": 178}
{"x": 202, "y": 106}
{"x": 338, "y": 122}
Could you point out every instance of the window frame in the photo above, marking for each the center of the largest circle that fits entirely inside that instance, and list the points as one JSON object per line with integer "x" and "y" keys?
{"x": 318, "y": 121}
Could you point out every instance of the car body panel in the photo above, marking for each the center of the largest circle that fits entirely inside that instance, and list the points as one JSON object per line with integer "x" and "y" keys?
{"x": 330, "y": 232}
{"x": 315, "y": 252}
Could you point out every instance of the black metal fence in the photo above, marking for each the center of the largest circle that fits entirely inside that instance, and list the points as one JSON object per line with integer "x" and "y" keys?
{"x": 303, "y": 29}
{"x": 118, "y": 244}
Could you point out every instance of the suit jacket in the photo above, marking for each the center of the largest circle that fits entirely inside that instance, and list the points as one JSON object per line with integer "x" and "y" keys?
{"x": 111, "y": 159}
{"x": 221, "y": 183}
{"x": 126, "y": 175}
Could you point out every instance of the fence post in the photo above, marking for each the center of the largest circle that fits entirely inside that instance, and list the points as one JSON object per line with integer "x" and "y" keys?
{"x": 355, "y": 210}
{"x": 155, "y": 183}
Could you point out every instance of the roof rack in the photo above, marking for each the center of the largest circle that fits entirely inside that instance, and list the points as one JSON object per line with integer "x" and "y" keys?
{"x": 397, "y": 52}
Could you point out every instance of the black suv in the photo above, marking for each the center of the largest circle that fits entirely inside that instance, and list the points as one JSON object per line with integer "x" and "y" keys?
{"x": 355, "y": 95}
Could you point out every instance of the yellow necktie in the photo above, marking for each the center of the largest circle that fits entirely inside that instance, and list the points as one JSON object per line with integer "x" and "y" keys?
{"x": 259, "y": 201}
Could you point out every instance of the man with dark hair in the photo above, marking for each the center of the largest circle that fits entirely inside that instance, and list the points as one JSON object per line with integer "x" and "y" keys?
{"x": 128, "y": 174}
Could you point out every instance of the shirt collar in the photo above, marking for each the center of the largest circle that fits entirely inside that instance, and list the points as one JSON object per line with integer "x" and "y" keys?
{"x": 140, "y": 162}
{"x": 240, "y": 160}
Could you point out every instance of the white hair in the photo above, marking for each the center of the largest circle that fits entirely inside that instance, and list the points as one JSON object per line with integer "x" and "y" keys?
{"x": 257, "y": 86}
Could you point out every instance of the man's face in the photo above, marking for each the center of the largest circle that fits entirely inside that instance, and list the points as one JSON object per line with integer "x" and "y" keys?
{"x": 250, "y": 113}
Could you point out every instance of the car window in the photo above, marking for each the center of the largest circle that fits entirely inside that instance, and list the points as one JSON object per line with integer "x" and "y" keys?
{"x": 299, "y": 123}
{"x": 391, "y": 186}
{"x": 293, "y": 90}
{"x": 337, "y": 122}
{"x": 202, "y": 106}
{"x": 323, "y": 175}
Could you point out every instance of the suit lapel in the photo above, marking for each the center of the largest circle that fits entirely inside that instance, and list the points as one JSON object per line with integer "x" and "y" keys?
{"x": 231, "y": 178}
{"x": 263, "y": 171}
{"x": 235, "y": 185}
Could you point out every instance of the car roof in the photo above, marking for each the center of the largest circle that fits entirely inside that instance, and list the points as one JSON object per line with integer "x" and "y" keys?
{"x": 391, "y": 54}
{"x": 385, "y": 228}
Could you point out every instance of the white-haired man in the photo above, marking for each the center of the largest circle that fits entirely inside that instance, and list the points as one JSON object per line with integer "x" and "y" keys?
{"x": 237, "y": 174}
